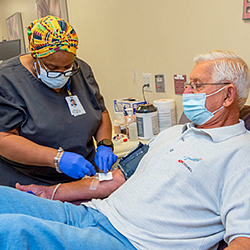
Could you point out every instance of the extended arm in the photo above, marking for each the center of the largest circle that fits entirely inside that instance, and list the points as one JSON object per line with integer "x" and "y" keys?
{"x": 78, "y": 190}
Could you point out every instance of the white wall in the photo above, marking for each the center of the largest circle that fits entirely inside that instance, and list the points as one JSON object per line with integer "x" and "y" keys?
{"x": 159, "y": 37}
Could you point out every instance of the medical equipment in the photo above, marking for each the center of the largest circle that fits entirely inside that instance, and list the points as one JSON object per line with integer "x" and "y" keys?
{"x": 129, "y": 162}
{"x": 121, "y": 104}
{"x": 147, "y": 121}
{"x": 166, "y": 113}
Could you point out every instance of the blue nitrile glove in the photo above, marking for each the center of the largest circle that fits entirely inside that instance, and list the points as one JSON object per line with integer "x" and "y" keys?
{"x": 75, "y": 166}
{"x": 30, "y": 192}
{"x": 105, "y": 158}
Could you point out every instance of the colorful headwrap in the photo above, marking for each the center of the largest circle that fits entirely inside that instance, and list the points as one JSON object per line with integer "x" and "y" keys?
{"x": 49, "y": 34}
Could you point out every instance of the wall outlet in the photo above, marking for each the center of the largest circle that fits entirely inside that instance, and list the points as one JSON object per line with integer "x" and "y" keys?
{"x": 147, "y": 79}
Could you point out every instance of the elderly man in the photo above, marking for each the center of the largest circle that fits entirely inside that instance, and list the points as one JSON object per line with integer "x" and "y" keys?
{"x": 189, "y": 191}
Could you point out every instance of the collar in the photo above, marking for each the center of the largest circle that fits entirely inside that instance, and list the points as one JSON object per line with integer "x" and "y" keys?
{"x": 218, "y": 134}
{"x": 187, "y": 126}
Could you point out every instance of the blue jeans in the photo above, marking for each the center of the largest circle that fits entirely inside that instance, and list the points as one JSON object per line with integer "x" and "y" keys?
{"x": 30, "y": 222}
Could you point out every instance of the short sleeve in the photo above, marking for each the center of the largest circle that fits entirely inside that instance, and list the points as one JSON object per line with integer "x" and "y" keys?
{"x": 11, "y": 116}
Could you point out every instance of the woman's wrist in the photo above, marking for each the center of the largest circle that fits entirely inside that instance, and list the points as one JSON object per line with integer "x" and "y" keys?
{"x": 57, "y": 159}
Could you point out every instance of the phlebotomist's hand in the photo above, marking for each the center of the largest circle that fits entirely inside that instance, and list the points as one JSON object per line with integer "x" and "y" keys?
{"x": 75, "y": 166}
{"x": 105, "y": 158}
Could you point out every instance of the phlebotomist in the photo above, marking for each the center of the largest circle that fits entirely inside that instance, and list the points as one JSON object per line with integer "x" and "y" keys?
{"x": 44, "y": 139}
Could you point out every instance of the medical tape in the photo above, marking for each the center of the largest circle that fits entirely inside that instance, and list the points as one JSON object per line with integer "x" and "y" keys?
{"x": 94, "y": 183}
{"x": 100, "y": 177}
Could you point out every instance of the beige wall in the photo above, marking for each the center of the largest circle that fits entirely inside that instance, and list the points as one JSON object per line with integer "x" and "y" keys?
{"x": 9, "y": 7}
{"x": 159, "y": 37}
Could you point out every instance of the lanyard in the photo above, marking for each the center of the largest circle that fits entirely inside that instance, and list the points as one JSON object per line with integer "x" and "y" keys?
{"x": 68, "y": 87}
{"x": 74, "y": 104}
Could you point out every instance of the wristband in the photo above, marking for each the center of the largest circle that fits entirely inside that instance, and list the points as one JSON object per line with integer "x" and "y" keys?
{"x": 57, "y": 158}
{"x": 53, "y": 194}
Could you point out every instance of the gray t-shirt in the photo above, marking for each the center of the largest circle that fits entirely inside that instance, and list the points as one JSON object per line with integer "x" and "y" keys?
{"x": 191, "y": 189}
{"x": 43, "y": 115}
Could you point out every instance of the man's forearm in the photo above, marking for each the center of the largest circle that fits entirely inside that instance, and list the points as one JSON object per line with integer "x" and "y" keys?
{"x": 84, "y": 189}
{"x": 89, "y": 188}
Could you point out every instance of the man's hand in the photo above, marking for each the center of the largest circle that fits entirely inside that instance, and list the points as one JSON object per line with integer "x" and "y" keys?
{"x": 40, "y": 191}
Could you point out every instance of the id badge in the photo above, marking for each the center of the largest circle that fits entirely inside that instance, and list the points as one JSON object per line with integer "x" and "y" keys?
{"x": 75, "y": 107}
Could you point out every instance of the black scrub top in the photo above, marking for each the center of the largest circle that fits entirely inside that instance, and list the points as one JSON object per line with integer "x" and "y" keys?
{"x": 43, "y": 116}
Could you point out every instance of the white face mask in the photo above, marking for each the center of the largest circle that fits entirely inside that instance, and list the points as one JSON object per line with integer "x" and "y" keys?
{"x": 54, "y": 83}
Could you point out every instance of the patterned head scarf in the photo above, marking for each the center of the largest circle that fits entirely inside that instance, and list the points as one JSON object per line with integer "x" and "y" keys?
{"x": 49, "y": 34}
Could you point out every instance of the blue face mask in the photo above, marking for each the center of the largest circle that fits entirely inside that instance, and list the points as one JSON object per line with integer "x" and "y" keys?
{"x": 194, "y": 107}
{"x": 54, "y": 83}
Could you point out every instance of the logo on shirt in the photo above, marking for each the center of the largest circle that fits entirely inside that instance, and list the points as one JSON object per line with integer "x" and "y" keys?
{"x": 192, "y": 159}
{"x": 186, "y": 158}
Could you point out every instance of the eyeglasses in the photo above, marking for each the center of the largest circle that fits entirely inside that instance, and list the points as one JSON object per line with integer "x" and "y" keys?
{"x": 196, "y": 86}
{"x": 67, "y": 73}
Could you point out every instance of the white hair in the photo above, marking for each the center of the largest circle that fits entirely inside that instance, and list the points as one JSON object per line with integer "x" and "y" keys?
{"x": 228, "y": 67}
